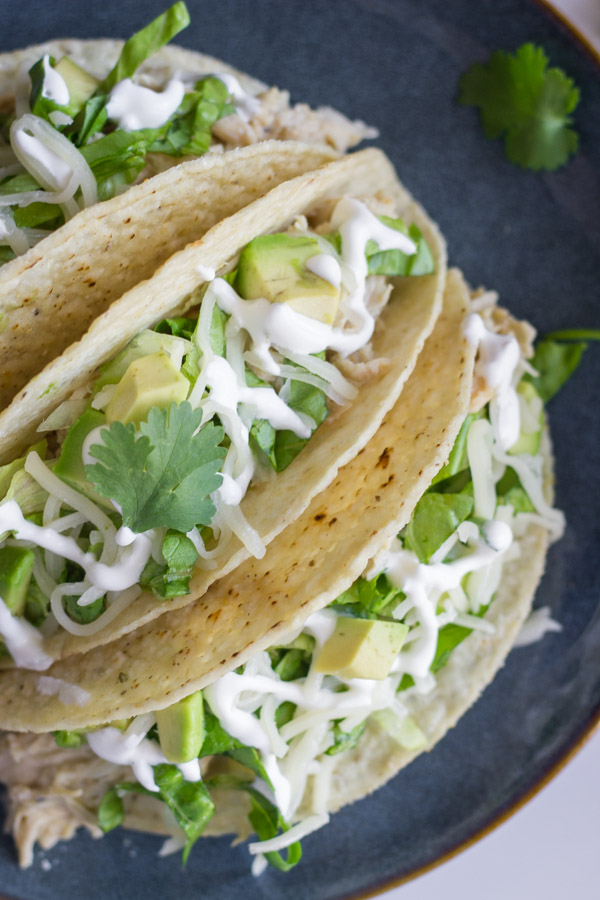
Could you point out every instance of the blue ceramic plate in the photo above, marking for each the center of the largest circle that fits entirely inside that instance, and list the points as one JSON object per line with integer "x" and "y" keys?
{"x": 535, "y": 238}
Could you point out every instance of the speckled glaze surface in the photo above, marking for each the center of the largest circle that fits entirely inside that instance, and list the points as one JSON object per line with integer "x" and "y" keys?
{"x": 536, "y": 239}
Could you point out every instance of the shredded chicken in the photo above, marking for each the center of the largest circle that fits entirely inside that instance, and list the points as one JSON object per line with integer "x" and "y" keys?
{"x": 52, "y": 791}
{"x": 277, "y": 120}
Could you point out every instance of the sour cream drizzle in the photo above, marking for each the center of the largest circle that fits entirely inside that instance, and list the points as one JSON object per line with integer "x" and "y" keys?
{"x": 123, "y": 574}
{"x": 130, "y": 748}
{"x": 357, "y": 225}
{"x": 424, "y": 585}
{"x": 23, "y": 641}
{"x": 54, "y": 86}
{"x": 497, "y": 360}
{"x": 133, "y": 106}
{"x": 326, "y": 267}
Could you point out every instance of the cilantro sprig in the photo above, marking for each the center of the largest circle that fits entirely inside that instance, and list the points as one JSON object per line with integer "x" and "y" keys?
{"x": 526, "y": 103}
{"x": 164, "y": 476}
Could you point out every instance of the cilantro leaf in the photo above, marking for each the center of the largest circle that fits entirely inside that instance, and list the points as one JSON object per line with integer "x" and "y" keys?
{"x": 525, "y": 102}
{"x": 163, "y": 477}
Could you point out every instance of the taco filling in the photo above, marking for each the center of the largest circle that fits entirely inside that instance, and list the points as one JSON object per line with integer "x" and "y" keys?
{"x": 146, "y": 483}
{"x": 70, "y": 137}
{"x": 289, "y": 728}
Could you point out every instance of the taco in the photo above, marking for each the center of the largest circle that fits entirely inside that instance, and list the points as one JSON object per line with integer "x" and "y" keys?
{"x": 327, "y": 288}
{"x": 305, "y": 680}
{"x": 75, "y": 129}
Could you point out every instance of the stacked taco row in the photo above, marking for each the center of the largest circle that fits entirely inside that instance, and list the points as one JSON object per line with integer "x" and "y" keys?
{"x": 271, "y": 518}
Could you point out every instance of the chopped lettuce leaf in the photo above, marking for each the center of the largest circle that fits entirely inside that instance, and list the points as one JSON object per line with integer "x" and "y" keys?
{"x": 345, "y": 740}
{"x": 189, "y": 801}
{"x": 69, "y": 739}
{"x": 395, "y": 262}
{"x": 435, "y": 518}
{"x": 179, "y": 326}
{"x": 218, "y": 741}
{"x": 375, "y": 599}
{"x": 145, "y": 43}
{"x": 173, "y": 578}
{"x": 282, "y": 447}
{"x": 268, "y": 822}
{"x": 189, "y": 130}
{"x": 554, "y": 362}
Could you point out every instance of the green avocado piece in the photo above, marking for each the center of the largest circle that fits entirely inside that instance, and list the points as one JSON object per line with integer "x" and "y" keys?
{"x": 361, "y": 648}
{"x": 150, "y": 381}
{"x": 80, "y": 83}
{"x": 70, "y": 466}
{"x": 16, "y": 567}
{"x": 143, "y": 344}
{"x": 181, "y": 729}
{"x": 404, "y": 731}
{"x": 529, "y": 441}
{"x": 274, "y": 267}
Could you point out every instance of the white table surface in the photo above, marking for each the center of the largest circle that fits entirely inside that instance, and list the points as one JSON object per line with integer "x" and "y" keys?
{"x": 550, "y": 849}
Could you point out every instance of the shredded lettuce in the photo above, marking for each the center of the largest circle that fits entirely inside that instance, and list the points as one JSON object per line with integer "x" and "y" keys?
{"x": 555, "y": 361}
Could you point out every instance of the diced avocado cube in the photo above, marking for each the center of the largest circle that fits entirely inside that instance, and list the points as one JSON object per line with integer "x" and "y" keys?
{"x": 361, "y": 648}
{"x": 8, "y": 471}
{"x": 143, "y": 344}
{"x": 16, "y": 567}
{"x": 6, "y": 474}
{"x": 529, "y": 441}
{"x": 150, "y": 381}
{"x": 274, "y": 267}
{"x": 80, "y": 83}
{"x": 404, "y": 731}
{"x": 70, "y": 465}
{"x": 181, "y": 729}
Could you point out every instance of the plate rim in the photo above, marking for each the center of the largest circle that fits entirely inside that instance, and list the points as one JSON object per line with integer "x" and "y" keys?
{"x": 591, "y": 726}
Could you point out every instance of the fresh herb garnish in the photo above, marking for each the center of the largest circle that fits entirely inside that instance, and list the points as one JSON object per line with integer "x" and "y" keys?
{"x": 164, "y": 477}
{"x": 526, "y": 103}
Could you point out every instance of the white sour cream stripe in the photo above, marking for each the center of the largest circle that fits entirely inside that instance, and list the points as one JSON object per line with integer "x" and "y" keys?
{"x": 424, "y": 585}
{"x": 23, "y": 641}
{"x": 133, "y": 106}
{"x": 130, "y": 748}
{"x": 497, "y": 360}
{"x": 118, "y": 577}
{"x": 54, "y": 86}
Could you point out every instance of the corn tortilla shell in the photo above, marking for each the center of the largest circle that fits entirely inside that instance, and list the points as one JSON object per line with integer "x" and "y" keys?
{"x": 307, "y": 566}
{"x": 269, "y": 506}
{"x": 51, "y": 294}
